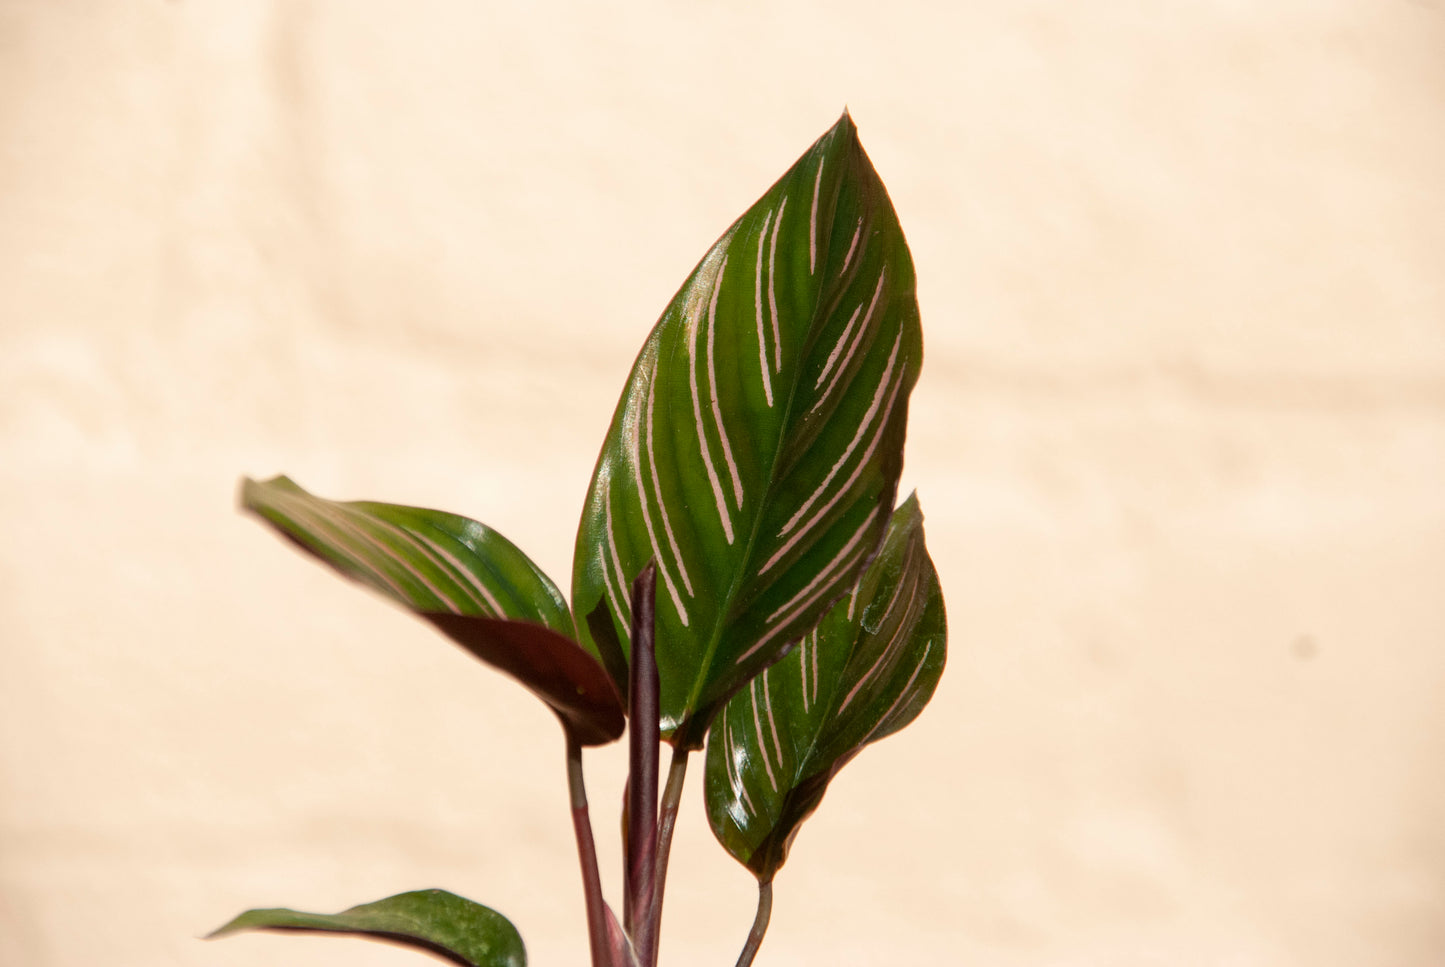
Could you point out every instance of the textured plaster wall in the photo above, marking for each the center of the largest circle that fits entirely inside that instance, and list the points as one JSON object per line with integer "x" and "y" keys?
{"x": 1180, "y": 438}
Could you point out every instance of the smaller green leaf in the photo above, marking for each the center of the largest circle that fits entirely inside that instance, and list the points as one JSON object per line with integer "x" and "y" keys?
{"x": 466, "y": 580}
{"x": 865, "y": 672}
{"x": 436, "y": 921}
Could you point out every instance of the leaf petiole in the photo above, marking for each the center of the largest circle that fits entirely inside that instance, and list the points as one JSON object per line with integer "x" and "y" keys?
{"x": 760, "y": 923}
{"x": 586, "y": 854}
{"x": 642, "y": 736}
{"x": 666, "y": 823}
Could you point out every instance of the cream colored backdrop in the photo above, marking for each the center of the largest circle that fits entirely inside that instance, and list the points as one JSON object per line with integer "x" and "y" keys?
{"x": 1180, "y": 438}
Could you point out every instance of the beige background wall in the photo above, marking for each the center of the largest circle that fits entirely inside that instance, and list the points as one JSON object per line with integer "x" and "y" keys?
{"x": 1180, "y": 438}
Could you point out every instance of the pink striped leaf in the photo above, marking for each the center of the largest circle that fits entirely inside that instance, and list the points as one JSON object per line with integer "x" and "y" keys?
{"x": 756, "y": 449}
{"x": 863, "y": 673}
{"x": 463, "y": 578}
{"x": 441, "y": 923}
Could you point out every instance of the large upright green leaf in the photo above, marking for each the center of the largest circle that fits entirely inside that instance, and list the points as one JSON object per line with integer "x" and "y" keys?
{"x": 463, "y": 578}
{"x": 756, "y": 449}
{"x": 865, "y": 672}
{"x": 436, "y": 921}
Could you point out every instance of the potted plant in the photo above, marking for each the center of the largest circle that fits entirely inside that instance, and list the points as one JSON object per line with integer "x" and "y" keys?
{"x": 745, "y": 583}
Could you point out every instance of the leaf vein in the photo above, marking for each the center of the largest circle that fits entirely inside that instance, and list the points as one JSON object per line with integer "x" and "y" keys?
{"x": 693, "y": 319}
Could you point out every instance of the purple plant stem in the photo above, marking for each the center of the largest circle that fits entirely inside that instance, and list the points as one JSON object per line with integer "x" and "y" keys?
{"x": 587, "y": 855}
{"x": 642, "y": 733}
{"x": 760, "y": 923}
{"x": 671, "y": 798}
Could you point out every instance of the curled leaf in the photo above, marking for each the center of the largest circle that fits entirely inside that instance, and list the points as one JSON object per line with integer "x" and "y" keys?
{"x": 465, "y": 579}
{"x": 865, "y": 672}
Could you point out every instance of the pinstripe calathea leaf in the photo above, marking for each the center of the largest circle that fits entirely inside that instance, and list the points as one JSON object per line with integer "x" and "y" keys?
{"x": 863, "y": 673}
{"x": 465, "y": 579}
{"x": 756, "y": 449}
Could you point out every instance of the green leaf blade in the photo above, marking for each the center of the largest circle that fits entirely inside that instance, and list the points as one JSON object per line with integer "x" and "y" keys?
{"x": 865, "y": 672}
{"x": 425, "y": 560}
{"x": 436, "y": 921}
{"x": 756, "y": 449}
{"x": 463, "y": 578}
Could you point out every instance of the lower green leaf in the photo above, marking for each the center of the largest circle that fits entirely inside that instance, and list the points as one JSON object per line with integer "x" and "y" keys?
{"x": 436, "y": 921}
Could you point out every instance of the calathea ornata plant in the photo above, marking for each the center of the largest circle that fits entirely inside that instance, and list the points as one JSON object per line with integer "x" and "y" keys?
{"x": 742, "y": 581}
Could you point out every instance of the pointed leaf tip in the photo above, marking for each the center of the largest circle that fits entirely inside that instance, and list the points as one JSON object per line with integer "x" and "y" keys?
{"x": 756, "y": 449}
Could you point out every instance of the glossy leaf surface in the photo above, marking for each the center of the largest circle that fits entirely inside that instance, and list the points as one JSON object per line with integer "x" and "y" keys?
{"x": 466, "y": 580}
{"x": 756, "y": 449}
{"x": 865, "y": 672}
{"x": 436, "y": 921}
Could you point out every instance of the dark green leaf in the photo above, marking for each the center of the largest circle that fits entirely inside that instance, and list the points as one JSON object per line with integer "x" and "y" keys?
{"x": 865, "y": 672}
{"x": 436, "y": 921}
{"x": 756, "y": 449}
{"x": 466, "y": 580}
